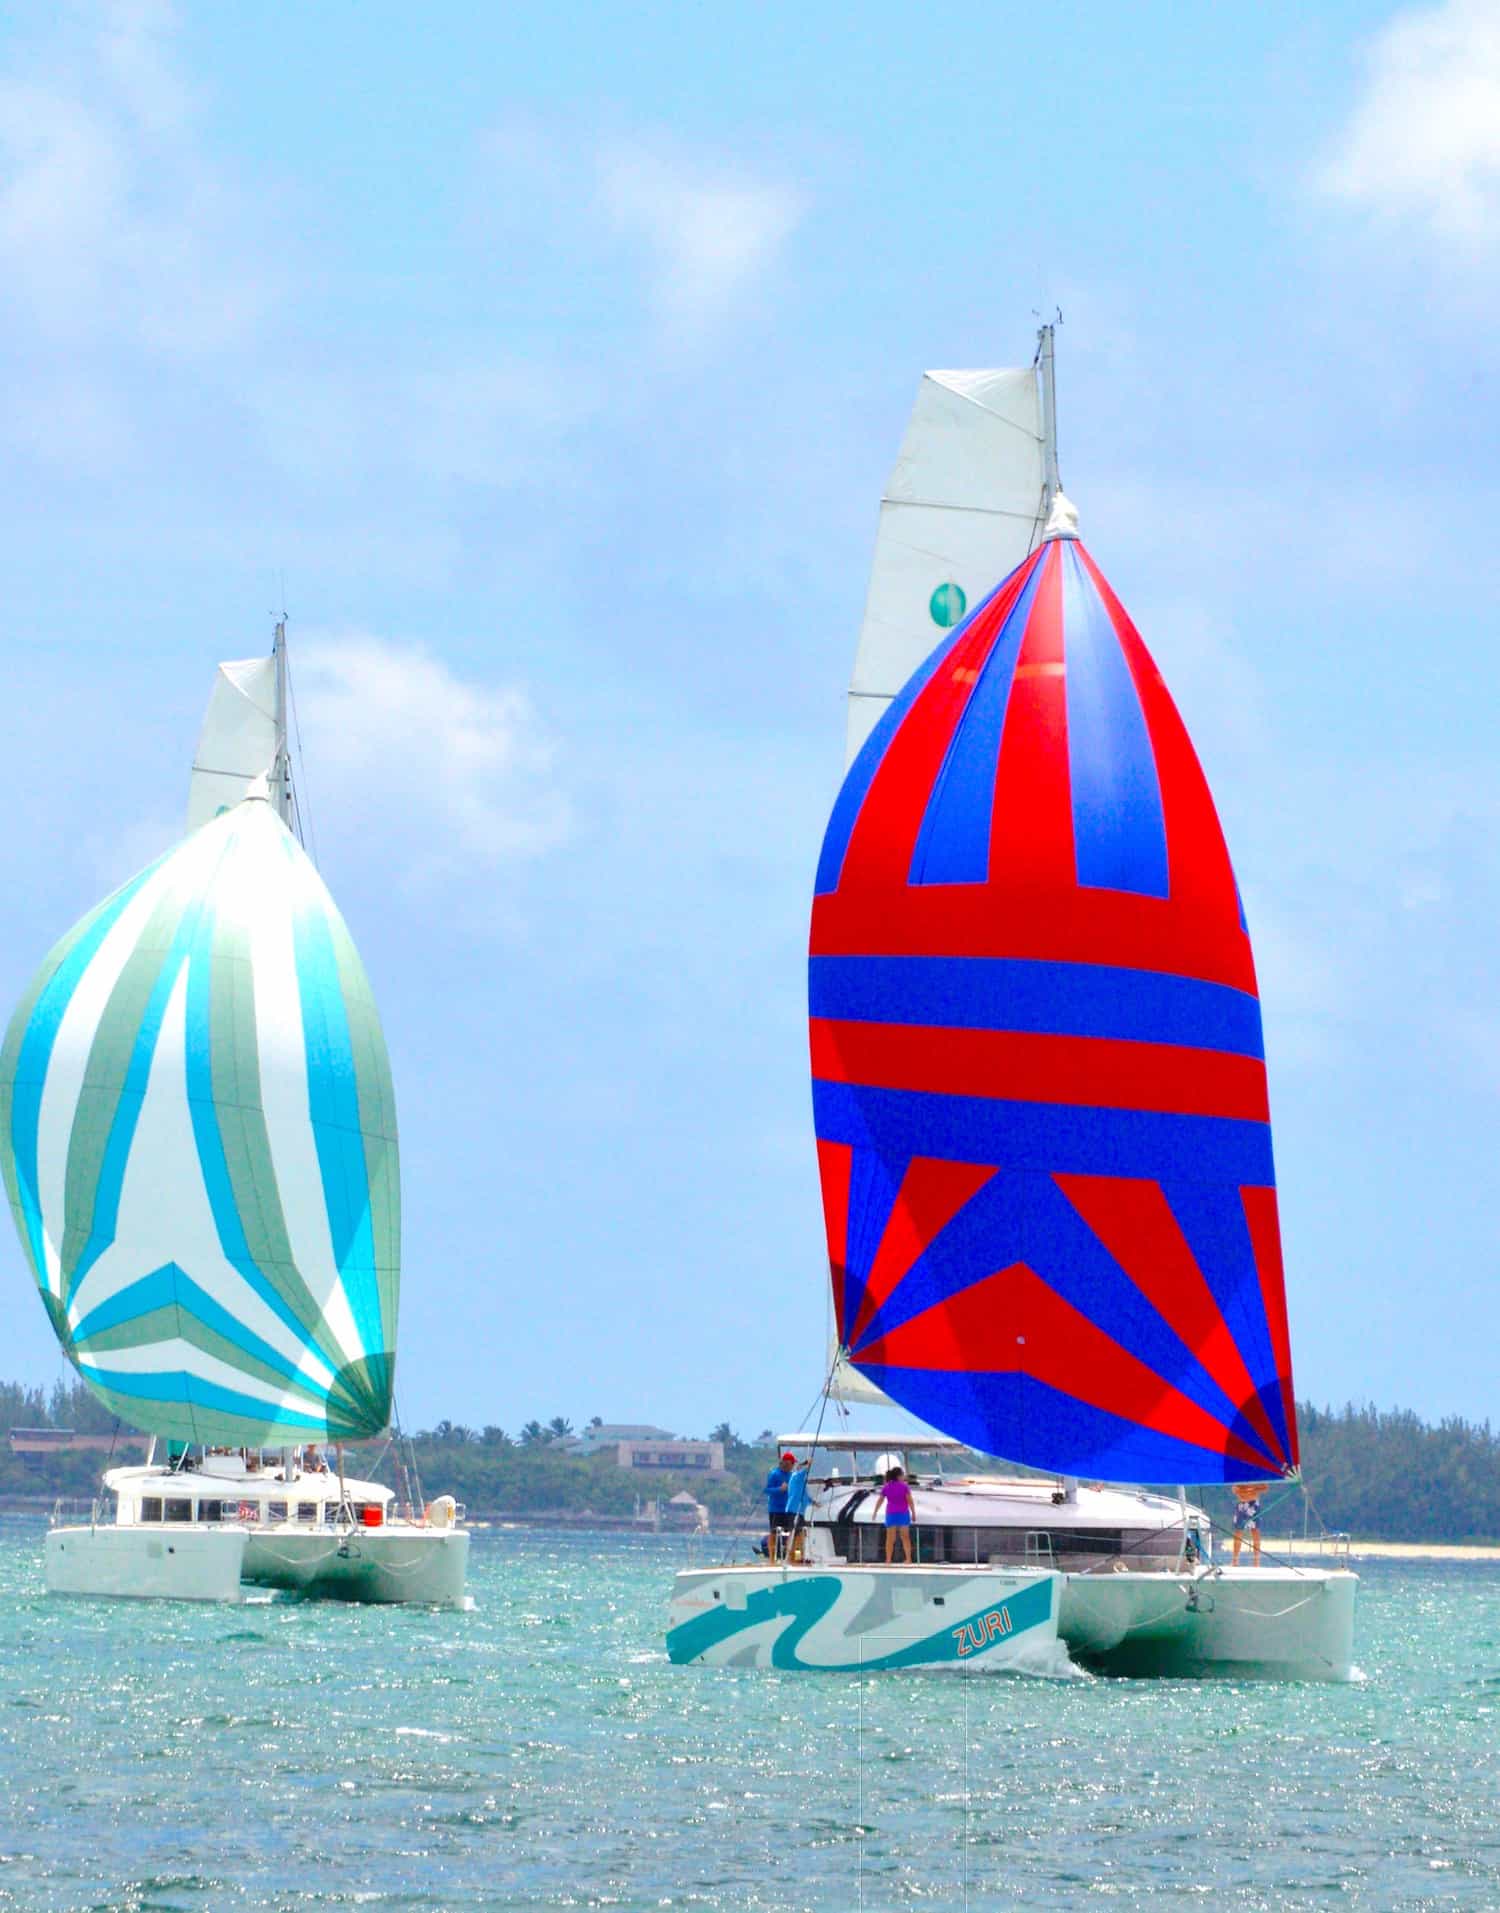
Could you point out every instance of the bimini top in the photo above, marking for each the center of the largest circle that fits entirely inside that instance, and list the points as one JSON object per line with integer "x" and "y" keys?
{"x": 198, "y": 1136}
{"x": 1038, "y": 1080}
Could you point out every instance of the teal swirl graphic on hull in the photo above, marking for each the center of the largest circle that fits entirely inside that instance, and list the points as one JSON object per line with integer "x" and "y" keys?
{"x": 806, "y": 1602}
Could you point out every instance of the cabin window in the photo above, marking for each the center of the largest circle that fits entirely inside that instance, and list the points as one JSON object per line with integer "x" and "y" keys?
{"x": 276, "y": 1511}
{"x": 151, "y": 1508}
{"x": 179, "y": 1511}
{"x": 210, "y": 1511}
{"x": 307, "y": 1510}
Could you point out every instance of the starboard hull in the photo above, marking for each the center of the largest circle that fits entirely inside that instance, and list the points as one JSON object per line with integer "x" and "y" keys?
{"x": 1243, "y": 1623}
{"x": 865, "y": 1619}
{"x": 381, "y": 1565}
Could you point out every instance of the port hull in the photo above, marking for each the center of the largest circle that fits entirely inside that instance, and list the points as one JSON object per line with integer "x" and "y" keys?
{"x": 187, "y": 1564}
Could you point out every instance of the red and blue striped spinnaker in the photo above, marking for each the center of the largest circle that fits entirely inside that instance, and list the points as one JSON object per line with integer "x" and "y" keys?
{"x": 1038, "y": 1080}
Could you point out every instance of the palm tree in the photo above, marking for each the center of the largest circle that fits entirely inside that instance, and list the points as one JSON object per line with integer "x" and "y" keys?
{"x": 532, "y": 1434}
{"x": 559, "y": 1428}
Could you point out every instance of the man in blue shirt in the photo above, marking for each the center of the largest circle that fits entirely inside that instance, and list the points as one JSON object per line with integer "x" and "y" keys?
{"x": 796, "y": 1504}
{"x": 777, "y": 1483}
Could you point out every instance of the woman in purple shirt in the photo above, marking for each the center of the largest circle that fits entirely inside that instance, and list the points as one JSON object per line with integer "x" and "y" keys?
{"x": 895, "y": 1492}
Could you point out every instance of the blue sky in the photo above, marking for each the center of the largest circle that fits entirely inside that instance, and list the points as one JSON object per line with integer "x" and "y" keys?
{"x": 556, "y": 358}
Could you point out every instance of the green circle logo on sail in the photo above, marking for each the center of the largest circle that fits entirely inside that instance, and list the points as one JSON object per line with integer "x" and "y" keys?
{"x": 947, "y": 605}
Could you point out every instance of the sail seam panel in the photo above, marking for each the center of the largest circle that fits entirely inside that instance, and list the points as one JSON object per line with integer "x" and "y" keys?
{"x": 1119, "y": 831}
{"x": 1025, "y": 1220}
{"x": 1051, "y": 999}
{"x": 953, "y": 840}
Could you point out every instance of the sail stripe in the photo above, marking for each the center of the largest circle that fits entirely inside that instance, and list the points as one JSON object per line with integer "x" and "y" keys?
{"x": 968, "y": 642}
{"x": 1052, "y": 999}
{"x": 170, "y": 1286}
{"x": 953, "y": 843}
{"x": 1025, "y": 1219}
{"x": 1025, "y": 1067}
{"x": 1119, "y": 832}
{"x": 169, "y": 1307}
{"x": 27, "y": 1055}
{"x": 234, "y": 1143}
{"x": 1067, "y": 1139}
{"x": 1134, "y": 1222}
{"x": 205, "y": 1107}
{"x": 334, "y": 1104}
{"x": 1028, "y": 1421}
{"x": 1014, "y": 1319}
{"x": 377, "y": 1116}
{"x": 182, "y": 1405}
{"x": 115, "y": 1086}
{"x": 835, "y": 1163}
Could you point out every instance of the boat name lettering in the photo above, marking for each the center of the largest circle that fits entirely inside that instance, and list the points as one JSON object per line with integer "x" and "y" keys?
{"x": 974, "y": 1636}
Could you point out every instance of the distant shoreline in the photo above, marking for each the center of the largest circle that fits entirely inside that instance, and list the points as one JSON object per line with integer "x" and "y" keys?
{"x": 1389, "y": 1551}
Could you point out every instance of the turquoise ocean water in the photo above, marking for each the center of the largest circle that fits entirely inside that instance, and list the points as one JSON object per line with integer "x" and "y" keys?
{"x": 540, "y": 1752}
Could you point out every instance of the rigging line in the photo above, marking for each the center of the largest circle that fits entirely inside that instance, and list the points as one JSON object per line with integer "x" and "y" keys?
{"x": 299, "y": 789}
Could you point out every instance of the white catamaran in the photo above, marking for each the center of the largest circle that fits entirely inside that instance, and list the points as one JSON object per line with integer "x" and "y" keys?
{"x": 198, "y": 1136}
{"x": 1039, "y": 1096}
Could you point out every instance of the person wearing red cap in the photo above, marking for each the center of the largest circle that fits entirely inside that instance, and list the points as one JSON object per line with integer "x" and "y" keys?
{"x": 777, "y": 1483}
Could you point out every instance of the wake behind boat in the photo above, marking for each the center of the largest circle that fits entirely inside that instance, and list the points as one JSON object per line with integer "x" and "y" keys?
{"x": 1039, "y": 1083}
{"x": 198, "y": 1136}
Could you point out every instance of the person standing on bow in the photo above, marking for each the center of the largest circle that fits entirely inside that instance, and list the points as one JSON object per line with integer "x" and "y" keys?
{"x": 895, "y": 1492}
{"x": 1247, "y": 1518}
{"x": 796, "y": 1504}
{"x": 778, "y": 1520}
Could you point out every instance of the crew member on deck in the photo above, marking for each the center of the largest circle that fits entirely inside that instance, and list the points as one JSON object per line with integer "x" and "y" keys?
{"x": 1247, "y": 1517}
{"x": 777, "y": 1483}
{"x": 895, "y": 1492}
{"x": 796, "y": 1504}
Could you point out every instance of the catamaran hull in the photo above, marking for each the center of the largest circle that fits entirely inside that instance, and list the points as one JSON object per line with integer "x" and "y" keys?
{"x": 188, "y": 1564}
{"x": 1246, "y": 1623}
{"x": 862, "y": 1619}
{"x": 378, "y": 1565}
{"x": 218, "y": 1564}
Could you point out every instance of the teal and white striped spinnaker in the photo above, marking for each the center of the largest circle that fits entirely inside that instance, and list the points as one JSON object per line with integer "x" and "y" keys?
{"x": 198, "y": 1136}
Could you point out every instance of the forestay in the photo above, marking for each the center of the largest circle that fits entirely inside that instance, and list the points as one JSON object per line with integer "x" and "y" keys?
{"x": 962, "y": 507}
{"x": 1038, "y": 1079}
{"x": 198, "y": 1135}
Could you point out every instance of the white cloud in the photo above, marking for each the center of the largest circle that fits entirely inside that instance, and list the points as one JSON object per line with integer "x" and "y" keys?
{"x": 447, "y": 772}
{"x": 1423, "y": 142}
{"x": 697, "y": 233}
{"x": 711, "y": 234}
{"x": 113, "y": 224}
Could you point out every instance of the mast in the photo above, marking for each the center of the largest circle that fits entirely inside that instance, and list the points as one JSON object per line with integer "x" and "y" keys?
{"x": 1051, "y": 482}
{"x": 281, "y": 774}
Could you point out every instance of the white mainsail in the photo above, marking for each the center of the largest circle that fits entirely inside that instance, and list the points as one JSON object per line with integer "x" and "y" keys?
{"x": 962, "y": 507}
{"x": 238, "y": 742}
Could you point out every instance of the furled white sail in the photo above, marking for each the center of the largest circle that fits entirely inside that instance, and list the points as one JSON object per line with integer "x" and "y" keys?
{"x": 846, "y": 1384}
{"x": 238, "y": 741}
{"x": 961, "y": 509}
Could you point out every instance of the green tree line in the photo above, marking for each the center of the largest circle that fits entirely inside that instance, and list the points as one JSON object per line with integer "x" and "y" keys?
{"x": 1380, "y": 1474}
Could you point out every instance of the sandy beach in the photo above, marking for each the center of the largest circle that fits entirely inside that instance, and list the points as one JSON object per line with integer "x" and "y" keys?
{"x": 1391, "y": 1551}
